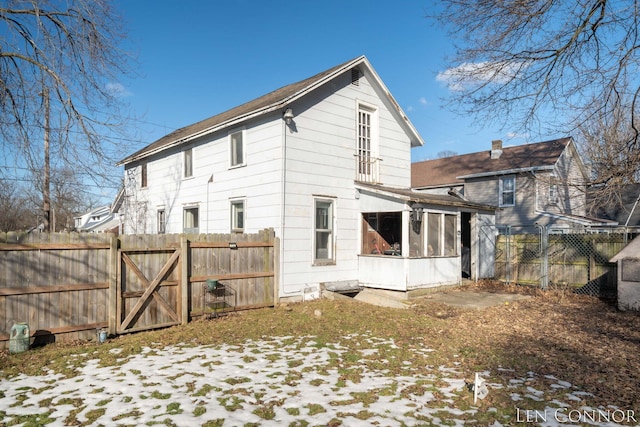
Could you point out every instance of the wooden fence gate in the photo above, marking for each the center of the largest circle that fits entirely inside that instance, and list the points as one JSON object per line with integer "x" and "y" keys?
{"x": 67, "y": 285}
{"x": 147, "y": 299}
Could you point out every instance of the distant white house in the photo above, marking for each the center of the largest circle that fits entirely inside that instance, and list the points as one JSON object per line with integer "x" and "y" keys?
{"x": 103, "y": 219}
{"x": 326, "y": 163}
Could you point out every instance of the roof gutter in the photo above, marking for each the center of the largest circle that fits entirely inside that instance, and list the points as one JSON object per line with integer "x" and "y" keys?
{"x": 505, "y": 172}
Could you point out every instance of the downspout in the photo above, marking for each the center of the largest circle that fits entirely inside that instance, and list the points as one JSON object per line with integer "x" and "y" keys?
{"x": 283, "y": 205}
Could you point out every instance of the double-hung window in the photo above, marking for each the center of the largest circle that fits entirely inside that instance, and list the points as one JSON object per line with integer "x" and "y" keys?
{"x": 507, "y": 190}
{"x": 237, "y": 215}
{"x": 323, "y": 251}
{"x": 236, "y": 146}
{"x": 190, "y": 220}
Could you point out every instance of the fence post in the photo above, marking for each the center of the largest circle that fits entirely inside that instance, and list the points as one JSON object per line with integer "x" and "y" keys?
{"x": 112, "y": 299}
{"x": 184, "y": 280}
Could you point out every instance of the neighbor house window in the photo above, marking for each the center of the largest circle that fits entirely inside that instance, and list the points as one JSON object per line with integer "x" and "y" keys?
{"x": 191, "y": 221}
{"x": 237, "y": 215}
{"x": 508, "y": 190}
{"x": 188, "y": 162}
{"x": 553, "y": 193}
{"x": 143, "y": 175}
{"x": 237, "y": 148}
{"x": 323, "y": 234}
{"x": 367, "y": 167}
{"x": 162, "y": 221}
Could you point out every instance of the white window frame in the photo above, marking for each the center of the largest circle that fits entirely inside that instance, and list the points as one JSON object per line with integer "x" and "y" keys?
{"x": 195, "y": 228}
{"x": 328, "y": 228}
{"x": 161, "y": 218}
{"x": 367, "y": 137}
{"x": 144, "y": 175}
{"x": 234, "y": 162}
{"x": 234, "y": 205}
{"x": 441, "y": 240}
{"x": 502, "y": 191}
{"x": 187, "y": 163}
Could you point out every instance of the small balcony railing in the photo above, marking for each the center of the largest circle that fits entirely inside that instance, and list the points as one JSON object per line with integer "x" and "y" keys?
{"x": 367, "y": 169}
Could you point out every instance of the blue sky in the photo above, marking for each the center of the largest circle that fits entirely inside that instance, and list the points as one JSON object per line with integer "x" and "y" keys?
{"x": 196, "y": 59}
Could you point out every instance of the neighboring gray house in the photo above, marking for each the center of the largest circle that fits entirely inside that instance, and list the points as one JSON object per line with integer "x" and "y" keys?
{"x": 326, "y": 163}
{"x": 541, "y": 183}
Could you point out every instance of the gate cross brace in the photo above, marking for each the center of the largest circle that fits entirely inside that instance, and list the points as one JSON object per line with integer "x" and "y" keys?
{"x": 150, "y": 288}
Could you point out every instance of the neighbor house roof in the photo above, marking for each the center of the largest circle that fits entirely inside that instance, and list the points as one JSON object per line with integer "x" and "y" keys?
{"x": 452, "y": 170}
{"x": 273, "y": 101}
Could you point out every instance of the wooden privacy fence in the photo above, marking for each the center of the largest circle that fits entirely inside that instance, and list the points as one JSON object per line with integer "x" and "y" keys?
{"x": 66, "y": 286}
{"x": 576, "y": 260}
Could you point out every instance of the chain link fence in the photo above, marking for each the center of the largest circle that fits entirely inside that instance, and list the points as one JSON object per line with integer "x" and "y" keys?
{"x": 576, "y": 259}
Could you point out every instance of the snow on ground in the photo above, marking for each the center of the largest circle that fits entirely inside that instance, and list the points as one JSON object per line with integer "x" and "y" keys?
{"x": 273, "y": 382}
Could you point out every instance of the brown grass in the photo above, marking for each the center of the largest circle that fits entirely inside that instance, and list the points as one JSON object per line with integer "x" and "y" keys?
{"x": 574, "y": 338}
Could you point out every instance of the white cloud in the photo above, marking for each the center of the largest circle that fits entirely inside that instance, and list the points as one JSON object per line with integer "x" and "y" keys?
{"x": 118, "y": 89}
{"x": 473, "y": 74}
{"x": 423, "y": 101}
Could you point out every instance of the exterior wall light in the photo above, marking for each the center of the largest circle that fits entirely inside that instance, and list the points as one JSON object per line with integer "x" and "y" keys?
{"x": 288, "y": 116}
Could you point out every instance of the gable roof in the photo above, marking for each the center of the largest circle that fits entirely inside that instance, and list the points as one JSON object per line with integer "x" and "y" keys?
{"x": 452, "y": 170}
{"x": 272, "y": 101}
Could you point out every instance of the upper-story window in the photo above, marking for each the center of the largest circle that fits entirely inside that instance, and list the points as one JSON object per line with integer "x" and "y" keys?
{"x": 188, "y": 162}
{"x": 236, "y": 146}
{"x": 367, "y": 144}
{"x": 553, "y": 193}
{"x": 143, "y": 175}
{"x": 507, "y": 190}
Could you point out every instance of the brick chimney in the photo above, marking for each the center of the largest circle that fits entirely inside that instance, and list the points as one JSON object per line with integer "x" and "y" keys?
{"x": 496, "y": 148}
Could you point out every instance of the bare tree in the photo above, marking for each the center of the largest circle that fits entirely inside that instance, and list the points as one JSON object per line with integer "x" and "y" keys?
{"x": 604, "y": 142}
{"x": 547, "y": 65}
{"x": 59, "y": 85}
{"x": 446, "y": 153}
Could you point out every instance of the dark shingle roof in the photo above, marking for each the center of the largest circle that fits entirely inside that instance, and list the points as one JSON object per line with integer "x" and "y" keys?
{"x": 273, "y": 100}
{"x": 447, "y": 170}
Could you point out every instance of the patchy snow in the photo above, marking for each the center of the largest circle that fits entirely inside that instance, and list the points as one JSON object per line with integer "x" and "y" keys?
{"x": 270, "y": 382}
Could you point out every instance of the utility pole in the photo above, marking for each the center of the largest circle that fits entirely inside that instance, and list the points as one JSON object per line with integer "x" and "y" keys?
{"x": 46, "y": 193}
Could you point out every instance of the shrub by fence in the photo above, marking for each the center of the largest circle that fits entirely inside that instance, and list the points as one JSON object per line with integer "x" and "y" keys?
{"x": 65, "y": 286}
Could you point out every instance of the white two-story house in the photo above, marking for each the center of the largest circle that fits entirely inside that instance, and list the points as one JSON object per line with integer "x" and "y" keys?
{"x": 326, "y": 163}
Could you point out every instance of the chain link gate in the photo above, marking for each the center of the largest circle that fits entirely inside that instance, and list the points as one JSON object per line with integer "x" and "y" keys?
{"x": 575, "y": 259}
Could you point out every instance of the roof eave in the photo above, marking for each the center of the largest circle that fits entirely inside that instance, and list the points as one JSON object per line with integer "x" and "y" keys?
{"x": 505, "y": 172}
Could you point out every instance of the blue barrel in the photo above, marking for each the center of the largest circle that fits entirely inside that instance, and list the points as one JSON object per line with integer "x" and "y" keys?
{"x": 19, "y": 339}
